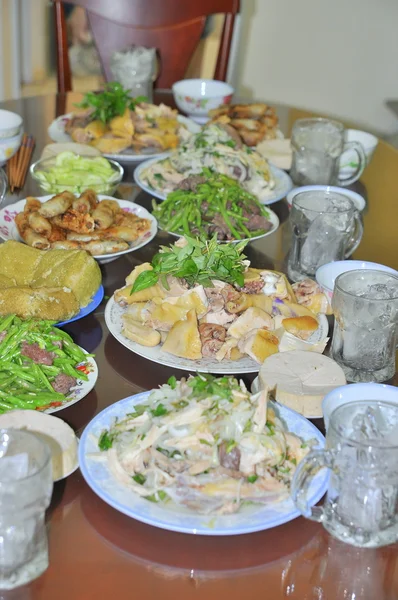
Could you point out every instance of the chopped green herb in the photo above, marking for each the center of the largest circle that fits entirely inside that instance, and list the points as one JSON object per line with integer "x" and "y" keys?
{"x": 139, "y": 410}
{"x": 168, "y": 453}
{"x": 304, "y": 445}
{"x": 139, "y": 478}
{"x": 105, "y": 440}
{"x": 111, "y": 102}
{"x": 159, "y": 411}
{"x": 230, "y": 446}
{"x": 252, "y": 478}
{"x": 172, "y": 382}
{"x": 180, "y": 404}
{"x": 248, "y": 426}
{"x": 294, "y": 461}
{"x": 230, "y": 143}
{"x": 159, "y": 176}
{"x": 282, "y": 470}
{"x": 202, "y": 441}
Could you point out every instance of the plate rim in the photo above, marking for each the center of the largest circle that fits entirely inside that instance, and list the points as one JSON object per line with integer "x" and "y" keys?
{"x": 99, "y": 257}
{"x": 278, "y": 173}
{"x": 141, "y": 396}
{"x": 54, "y": 128}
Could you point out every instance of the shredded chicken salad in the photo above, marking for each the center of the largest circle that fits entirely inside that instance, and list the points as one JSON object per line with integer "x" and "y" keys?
{"x": 215, "y": 148}
{"x": 204, "y": 443}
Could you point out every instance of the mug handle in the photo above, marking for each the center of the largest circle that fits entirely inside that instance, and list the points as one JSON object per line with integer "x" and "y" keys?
{"x": 306, "y": 470}
{"x": 3, "y": 185}
{"x": 357, "y": 234}
{"x": 358, "y": 148}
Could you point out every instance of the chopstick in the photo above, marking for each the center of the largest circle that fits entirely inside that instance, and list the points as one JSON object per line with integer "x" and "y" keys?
{"x": 18, "y": 165}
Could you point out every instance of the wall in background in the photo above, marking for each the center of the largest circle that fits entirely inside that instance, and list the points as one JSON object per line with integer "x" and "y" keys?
{"x": 334, "y": 56}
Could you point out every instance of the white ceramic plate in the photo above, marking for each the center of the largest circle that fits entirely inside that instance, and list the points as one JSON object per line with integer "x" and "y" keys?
{"x": 9, "y": 231}
{"x": 175, "y": 518}
{"x": 113, "y": 320}
{"x": 283, "y": 183}
{"x": 56, "y": 132}
{"x": 82, "y": 388}
{"x": 272, "y": 217}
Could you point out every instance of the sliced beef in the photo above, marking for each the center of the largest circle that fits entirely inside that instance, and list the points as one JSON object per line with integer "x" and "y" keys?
{"x": 258, "y": 222}
{"x": 219, "y": 226}
{"x": 63, "y": 383}
{"x": 79, "y": 121}
{"x": 214, "y": 296}
{"x": 229, "y": 460}
{"x": 190, "y": 183}
{"x": 2, "y": 335}
{"x": 35, "y": 353}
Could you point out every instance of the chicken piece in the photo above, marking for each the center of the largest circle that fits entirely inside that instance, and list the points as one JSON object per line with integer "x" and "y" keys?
{"x": 252, "y": 318}
{"x": 139, "y": 333}
{"x": 290, "y": 309}
{"x": 122, "y": 125}
{"x": 220, "y": 317}
{"x": 194, "y": 298}
{"x": 183, "y": 339}
{"x": 309, "y": 294}
{"x": 248, "y": 111}
{"x": 162, "y": 315}
{"x": 246, "y": 124}
{"x": 259, "y": 344}
{"x": 111, "y": 145}
{"x": 244, "y": 301}
{"x": 301, "y": 327}
{"x": 149, "y": 140}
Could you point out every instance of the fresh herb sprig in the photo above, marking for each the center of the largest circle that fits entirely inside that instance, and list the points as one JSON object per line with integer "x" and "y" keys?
{"x": 111, "y": 102}
{"x": 198, "y": 262}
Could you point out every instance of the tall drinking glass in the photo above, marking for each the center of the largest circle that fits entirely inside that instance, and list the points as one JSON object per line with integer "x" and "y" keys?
{"x": 361, "y": 506}
{"x": 326, "y": 226}
{"x": 317, "y": 146}
{"x": 365, "y": 305}
{"x": 25, "y": 493}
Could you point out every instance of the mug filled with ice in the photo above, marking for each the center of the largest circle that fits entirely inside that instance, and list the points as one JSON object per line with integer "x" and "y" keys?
{"x": 25, "y": 493}
{"x": 326, "y": 226}
{"x": 361, "y": 506}
{"x": 317, "y": 146}
{"x": 365, "y": 305}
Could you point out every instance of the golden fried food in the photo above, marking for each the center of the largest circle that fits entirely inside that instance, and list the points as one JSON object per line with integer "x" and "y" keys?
{"x": 253, "y": 122}
{"x": 84, "y": 223}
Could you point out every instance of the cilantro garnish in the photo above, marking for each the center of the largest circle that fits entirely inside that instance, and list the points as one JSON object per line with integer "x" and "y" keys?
{"x": 111, "y": 102}
{"x": 198, "y": 262}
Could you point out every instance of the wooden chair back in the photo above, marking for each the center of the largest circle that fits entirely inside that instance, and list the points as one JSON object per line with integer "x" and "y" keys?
{"x": 174, "y": 27}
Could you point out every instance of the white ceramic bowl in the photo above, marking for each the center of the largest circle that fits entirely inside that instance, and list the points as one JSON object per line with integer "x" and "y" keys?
{"x": 349, "y": 159}
{"x": 326, "y": 274}
{"x": 355, "y": 392}
{"x": 357, "y": 199}
{"x": 10, "y": 124}
{"x": 197, "y": 96}
{"x": 9, "y": 146}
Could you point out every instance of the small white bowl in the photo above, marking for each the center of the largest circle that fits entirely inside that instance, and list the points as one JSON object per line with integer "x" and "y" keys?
{"x": 326, "y": 274}
{"x": 357, "y": 199}
{"x": 10, "y": 124}
{"x": 9, "y": 146}
{"x": 356, "y": 392}
{"x": 197, "y": 96}
{"x": 349, "y": 158}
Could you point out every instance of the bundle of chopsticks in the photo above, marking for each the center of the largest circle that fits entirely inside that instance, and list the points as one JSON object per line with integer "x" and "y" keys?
{"x": 18, "y": 165}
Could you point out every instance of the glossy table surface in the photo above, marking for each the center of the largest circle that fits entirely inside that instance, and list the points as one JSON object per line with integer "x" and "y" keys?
{"x": 97, "y": 553}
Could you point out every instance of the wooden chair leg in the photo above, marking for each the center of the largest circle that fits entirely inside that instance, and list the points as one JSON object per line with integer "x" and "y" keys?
{"x": 63, "y": 68}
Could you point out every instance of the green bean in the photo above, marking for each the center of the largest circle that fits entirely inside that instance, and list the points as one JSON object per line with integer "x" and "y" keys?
{"x": 6, "y": 322}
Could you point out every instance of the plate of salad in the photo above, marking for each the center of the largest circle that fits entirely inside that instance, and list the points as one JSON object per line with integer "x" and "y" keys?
{"x": 200, "y": 456}
{"x": 122, "y": 128}
{"x": 212, "y": 203}
{"x": 41, "y": 368}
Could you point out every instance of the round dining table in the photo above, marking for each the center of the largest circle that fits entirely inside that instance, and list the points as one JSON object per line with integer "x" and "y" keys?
{"x": 97, "y": 553}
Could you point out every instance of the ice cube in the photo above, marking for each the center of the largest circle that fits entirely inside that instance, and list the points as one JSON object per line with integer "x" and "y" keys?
{"x": 14, "y": 467}
{"x": 382, "y": 291}
{"x": 369, "y": 425}
{"x": 324, "y": 240}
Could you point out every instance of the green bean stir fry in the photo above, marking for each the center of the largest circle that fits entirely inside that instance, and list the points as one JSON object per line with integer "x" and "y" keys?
{"x": 218, "y": 205}
{"x": 33, "y": 354}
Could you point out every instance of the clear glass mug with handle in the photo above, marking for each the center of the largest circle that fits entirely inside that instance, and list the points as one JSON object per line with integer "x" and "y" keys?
{"x": 317, "y": 146}
{"x": 326, "y": 226}
{"x": 361, "y": 506}
{"x": 25, "y": 492}
{"x": 365, "y": 306}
